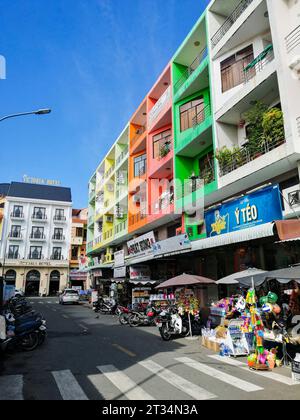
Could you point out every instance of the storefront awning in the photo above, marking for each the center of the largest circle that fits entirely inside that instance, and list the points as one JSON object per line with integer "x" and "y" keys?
{"x": 142, "y": 283}
{"x": 245, "y": 235}
{"x": 288, "y": 230}
{"x": 134, "y": 261}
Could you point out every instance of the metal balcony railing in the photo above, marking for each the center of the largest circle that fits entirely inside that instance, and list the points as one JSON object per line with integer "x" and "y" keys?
{"x": 139, "y": 134}
{"x": 202, "y": 116}
{"x": 58, "y": 218}
{"x": 293, "y": 39}
{"x": 56, "y": 257}
{"x": 232, "y": 18}
{"x": 122, "y": 156}
{"x": 15, "y": 235}
{"x": 17, "y": 215}
{"x": 159, "y": 106}
{"x": 36, "y": 256}
{"x": 37, "y": 236}
{"x": 39, "y": 216}
{"x": 246, "y": 155}
{"x": 13, "y": 256}
{"x": 190, "y": 69}
{"x": 163, "y": 203}
{"x": 136, "y": 218}
{"x": 58, "y": 237}
{"x": 258, "y": 64}
{"x": 120, "y": 227}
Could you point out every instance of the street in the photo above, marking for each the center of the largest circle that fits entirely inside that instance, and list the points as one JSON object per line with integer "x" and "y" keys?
{"x": 85, "y": 358}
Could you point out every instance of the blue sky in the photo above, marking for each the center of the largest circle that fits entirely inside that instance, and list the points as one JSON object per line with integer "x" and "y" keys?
{"x": 92, "y": 62}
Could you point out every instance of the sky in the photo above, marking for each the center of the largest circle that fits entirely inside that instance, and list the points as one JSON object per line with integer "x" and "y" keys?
{"x": 92, "y": 62}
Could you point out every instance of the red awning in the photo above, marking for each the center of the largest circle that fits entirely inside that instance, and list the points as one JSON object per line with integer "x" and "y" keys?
{"x": 288, "y": 229}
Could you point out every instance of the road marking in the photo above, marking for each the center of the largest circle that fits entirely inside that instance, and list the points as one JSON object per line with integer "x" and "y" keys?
{"x": 128, "y": 388}
{"x": 65, "y": 316}
{"x": 82, "y": 327}
{"x": 128, "y": 352}
{"x": 68, "y": 386}
{"x": 11, "y": 388}
{"x": 221, "y": 376}
{"x": 266, "y": 375}
{"x": 54, "y": 310}
{"x": 178, "y": 382}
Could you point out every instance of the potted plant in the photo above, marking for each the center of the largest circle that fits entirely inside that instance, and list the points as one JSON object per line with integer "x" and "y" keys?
{"x": 165, "y": 149}
{"x": 224, "y": 157}
{"x": 255, "y": 132}
{"x": 273, "y": 127}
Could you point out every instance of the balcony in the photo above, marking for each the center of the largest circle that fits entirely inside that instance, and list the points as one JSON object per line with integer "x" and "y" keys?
{"x": 258, "y": 64}
{"x": 121, "y": 228}
{"x": 293, "y": 40}
{"x": 137, "y": 218}
{"x": 108, "y": 235}
{"x": 92, "y": 195}
{"x": 91, "y": 220}
{"x": 97, "y": 241}
{"x": 38, "y": 217}
{"x": 15, "y": 236}
{"x": 122, "y": 156}
{"x": 229, "y": 22}
{"x": 37, "y": 237}
{"x": 36, "y": 256}
{"x": 56, "y": 257}
{"x": 164, "y": 204}
{"x": 109, "y": 172}
{"x": 244, "y": 155}
{"x": 17, "y": 215}
{"x": 190, "y": 70}
{"x": 59, "y": 219}
{"x": 13, "y": 256}
{"x": 58, "y": 238}
{"x": 161, "y": 106}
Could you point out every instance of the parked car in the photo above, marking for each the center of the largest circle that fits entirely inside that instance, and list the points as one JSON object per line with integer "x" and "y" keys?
{"x": 19, "y": 293}
{"x": 69, "y": 296}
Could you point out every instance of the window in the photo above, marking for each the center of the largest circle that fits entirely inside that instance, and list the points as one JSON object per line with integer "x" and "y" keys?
{"x": 189, "y": 111}
{"x": 206, "y": 168}
{"x": 35, "y": 253}
{"x": 79, "y": 232}
{"x": 37, "y": 232}
{"x": 13, "y": 252}
{"x": 15, "y": 231}
{"x": 18, "y": 211}
{"x": 140, "y": 165}
{"x": 59, "y": 214}
{"x": 58, "y": 233}
{"x": 161, "y": 142}
{"x": 74, "y": 252}
{"x": 56, "y": 255}
{"x": 39, "y": 213}
{"x": 232, "y": 69}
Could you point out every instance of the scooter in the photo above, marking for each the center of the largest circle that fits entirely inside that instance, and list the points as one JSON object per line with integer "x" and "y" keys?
{"x": 147, "y": 318}
{"x": 170, "y": 323}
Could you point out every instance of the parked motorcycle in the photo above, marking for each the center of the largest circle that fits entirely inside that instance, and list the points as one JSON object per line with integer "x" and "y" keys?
{"x": 124, "y": 315}
{"x": 146, "y": 318}
{"x": 170, "y": 324}
{"x": 105, "y": 307}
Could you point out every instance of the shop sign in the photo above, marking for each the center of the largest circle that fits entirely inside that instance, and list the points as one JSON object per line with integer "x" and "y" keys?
{"x": 140, "y": 272}
{"x": 263, "y": 206}
{"x": 119, "y": 258}
{"x": 78, "y": 276}
{"x": 119, "y": 272}
{"x": 143, "y": 245}
{"x": 98, "y": 273}
{"x": 176, "y": 243}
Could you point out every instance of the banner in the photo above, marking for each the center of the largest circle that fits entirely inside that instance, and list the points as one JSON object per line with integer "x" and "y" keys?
{"x": 119, "y": 272}
{"x": 176, "y": 243}
{"x": 263, "y": 206}
{"x": 119, "y": 258}
{"x": 143, "y": 245}
{"x": 140, "y": 272}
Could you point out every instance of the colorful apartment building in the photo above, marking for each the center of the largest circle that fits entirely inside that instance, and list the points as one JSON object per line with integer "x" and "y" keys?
{"x": 220, "y": 128}
{"x": 78, "y": 256}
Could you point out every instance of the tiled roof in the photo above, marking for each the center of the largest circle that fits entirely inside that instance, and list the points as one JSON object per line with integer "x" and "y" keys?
{"x": 40, "y": 192}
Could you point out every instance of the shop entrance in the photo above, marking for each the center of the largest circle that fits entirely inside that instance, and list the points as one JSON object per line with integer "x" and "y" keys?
{"x": 10, "y": 278}
{"x": 33, "y": 279}
{"x": 54, "y": 283}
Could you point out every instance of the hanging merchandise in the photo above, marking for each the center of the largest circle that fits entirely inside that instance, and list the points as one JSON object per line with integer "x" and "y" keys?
{"x": 236, "y": 340}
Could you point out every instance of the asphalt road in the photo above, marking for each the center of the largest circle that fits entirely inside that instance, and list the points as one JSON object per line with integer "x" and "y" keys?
{"x": 98, "y": 359}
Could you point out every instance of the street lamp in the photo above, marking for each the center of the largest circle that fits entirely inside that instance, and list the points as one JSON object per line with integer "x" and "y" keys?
{"x": 38, "y": 112}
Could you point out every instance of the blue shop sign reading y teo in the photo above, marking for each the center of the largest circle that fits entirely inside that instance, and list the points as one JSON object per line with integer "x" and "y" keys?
{"x": 263, "y": 206}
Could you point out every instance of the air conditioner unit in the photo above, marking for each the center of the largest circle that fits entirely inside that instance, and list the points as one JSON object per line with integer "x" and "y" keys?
{"x": 110, "y": 219}
{"x": 119, "y": 215}
{"x": 136, "y": 198}
{"x": 291, "y": 199}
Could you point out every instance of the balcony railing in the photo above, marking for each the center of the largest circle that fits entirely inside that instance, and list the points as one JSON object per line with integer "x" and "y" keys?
{"x": 13, "y": 256}
{"x": 159, "y": 106}
{"x": 136, "y": 218}
{"x": 246, "y": 155}
{"x": 202, "y": 116}
{"x": 15, "y": 235}
{"x": 190, "y": 70}
{"x": 109, "y": 172}
{"x": 36, "y": 256}
{"x": 39, "y": 216}
{"x": 98, "y": 240}
{"x": 120, "y": 227}
{"x": 122, "y": 156}
{"x": 293, "y": 39}
{"x": 91, "y": 220}
{"x": 165, "y": 149}
{"x": 58, "y": 237}
{"x": 229, "y": 22}
{"x": 163, "y": 203}
{"x": 39, "y": 236}
{"x": 107, "y": 235}
{"x": 258, "y": 64}
{"x": 57, "y": 218}
{"x": 56, "y": 257}
{"x": 17, "y": 215}
{"x": 90, "y": 245}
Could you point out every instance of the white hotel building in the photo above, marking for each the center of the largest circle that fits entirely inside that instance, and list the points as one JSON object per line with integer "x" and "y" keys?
{"x": 36, "y": 237}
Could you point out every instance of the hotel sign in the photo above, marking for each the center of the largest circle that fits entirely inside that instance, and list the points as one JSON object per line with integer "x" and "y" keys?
{"x": 143, "y": 245}
{"x": 40, "y": 181}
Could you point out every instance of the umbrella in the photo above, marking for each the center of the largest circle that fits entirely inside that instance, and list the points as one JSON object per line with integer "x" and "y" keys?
{"x": 185, "y": 280}
{"x": 284, "y": 276}
{"x": 236, "y": 277}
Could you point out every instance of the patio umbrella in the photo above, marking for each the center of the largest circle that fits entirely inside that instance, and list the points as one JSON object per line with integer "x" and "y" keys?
{"x": 185, "y": 280}
{"x": 284, "y": 275}
{"x": 236, "y": 277}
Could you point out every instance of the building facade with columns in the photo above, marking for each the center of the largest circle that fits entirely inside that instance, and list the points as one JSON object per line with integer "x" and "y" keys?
{"x": 36, "y": 237}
